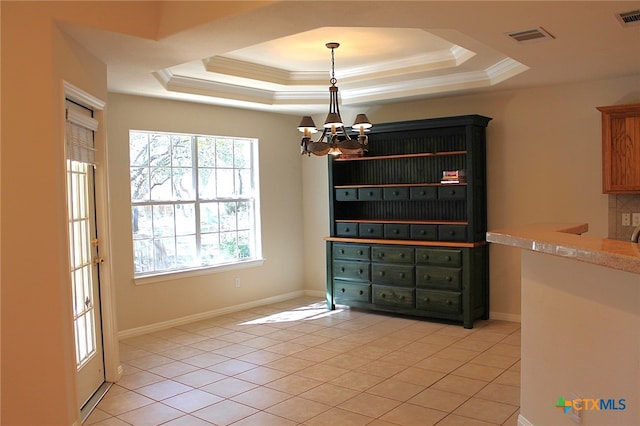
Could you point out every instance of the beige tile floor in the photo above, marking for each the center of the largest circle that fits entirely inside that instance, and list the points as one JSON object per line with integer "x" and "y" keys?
{"x": 295, "y": 363}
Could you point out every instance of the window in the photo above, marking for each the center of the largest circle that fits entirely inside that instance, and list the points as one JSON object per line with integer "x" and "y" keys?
{"x": 194, "y": 201}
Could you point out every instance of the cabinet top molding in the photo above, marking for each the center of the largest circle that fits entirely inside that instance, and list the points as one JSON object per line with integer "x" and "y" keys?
{"x": 618, "y": 109}
{"x": 433, "y": 123}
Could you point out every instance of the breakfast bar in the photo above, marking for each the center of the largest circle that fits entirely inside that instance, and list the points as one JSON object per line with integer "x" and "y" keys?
{"x": 580, "y": 325}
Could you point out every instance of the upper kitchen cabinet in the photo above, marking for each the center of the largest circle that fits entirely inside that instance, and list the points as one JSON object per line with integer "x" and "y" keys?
{"x": 620, "y": 149}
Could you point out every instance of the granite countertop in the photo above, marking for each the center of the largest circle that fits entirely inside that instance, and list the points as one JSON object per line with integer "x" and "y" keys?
{"x": 562, "y": 239}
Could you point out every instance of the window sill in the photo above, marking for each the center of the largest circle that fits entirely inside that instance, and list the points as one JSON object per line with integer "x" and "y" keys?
{"x": 176, "y": 275}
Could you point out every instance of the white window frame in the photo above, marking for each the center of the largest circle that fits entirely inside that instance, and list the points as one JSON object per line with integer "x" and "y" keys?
{"x": 199, "y": 199}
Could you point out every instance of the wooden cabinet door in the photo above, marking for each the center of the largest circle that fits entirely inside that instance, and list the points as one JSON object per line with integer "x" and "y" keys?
{"x": 620, "y": 149}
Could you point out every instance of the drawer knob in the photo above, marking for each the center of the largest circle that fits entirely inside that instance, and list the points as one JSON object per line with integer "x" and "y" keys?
{"x": 395, "y": 231}
{"x": 452, "y": 192}
{"x": 452, "y": 232}
{"x": 422, "y": 232}
{"x": 347, "y": 230}
{"x": 425, "y": 256}
{"x": 361, "y": 252}
{"x": 447, "y": 258}
{"x": 428, "y": 300}
{"x": 402, "y": 255}
{"x": 361, "y": 292}
{"x": 384, "y": 295}
{"x": 381, "y": 273}
{"x": 449, "y": 279}
{"x": 401, "y": 274}
{"x": 342, "y": 251}
{"x": 343, "y": 290}
{"x": 427, "y": 277}
{"x": 342, "y": 269}
{"x": 402, "y": 297}
{"x": 360, "y": 271}
{"x": 449, "y": 302}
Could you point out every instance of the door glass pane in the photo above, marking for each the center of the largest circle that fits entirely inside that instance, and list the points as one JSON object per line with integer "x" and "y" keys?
{"x": 80, "y": 260}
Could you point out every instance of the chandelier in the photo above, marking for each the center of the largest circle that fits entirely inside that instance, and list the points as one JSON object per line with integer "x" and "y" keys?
{"x": 330, "y": 142}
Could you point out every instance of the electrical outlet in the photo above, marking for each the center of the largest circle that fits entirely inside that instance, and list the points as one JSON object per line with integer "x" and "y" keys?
{"x": 635, "y": 219}
{"x": 236, "y": 283}
{"x": 626, "y": 219}
{"x": 577, "y": 408}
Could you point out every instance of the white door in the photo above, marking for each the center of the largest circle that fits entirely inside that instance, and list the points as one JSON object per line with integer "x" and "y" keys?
{"x": 84, "y": 256}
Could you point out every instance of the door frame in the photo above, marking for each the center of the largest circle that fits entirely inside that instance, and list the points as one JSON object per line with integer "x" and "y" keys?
{"x": 112, "y": 367}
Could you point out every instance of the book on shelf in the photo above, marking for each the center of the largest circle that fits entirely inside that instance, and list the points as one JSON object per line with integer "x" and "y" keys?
{"x": 453, "y": 176}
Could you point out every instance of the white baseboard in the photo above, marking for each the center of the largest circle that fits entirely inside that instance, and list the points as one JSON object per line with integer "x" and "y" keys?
{"x": 123, "y": 334}
{"x": 523, "y": 422}
{"x": 501, "y": 316}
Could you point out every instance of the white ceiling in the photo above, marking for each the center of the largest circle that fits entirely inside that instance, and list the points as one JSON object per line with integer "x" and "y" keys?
{"x": 272, "y": 56}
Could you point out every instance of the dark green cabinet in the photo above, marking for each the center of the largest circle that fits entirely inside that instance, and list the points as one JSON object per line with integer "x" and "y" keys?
{"x": 401, "y": 240}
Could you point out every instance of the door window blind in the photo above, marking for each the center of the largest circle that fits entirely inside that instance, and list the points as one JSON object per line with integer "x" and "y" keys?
{"x": 79, "y": 134}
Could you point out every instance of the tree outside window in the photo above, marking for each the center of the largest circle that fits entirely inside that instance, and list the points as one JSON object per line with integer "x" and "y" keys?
{"x": 194, "y": 201}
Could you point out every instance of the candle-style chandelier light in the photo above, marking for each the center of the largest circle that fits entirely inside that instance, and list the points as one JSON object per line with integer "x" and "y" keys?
{"x": 334, "y": 139}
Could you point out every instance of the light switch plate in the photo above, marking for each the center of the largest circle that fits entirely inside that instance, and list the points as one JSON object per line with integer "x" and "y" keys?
{"x": 635, "y": 219}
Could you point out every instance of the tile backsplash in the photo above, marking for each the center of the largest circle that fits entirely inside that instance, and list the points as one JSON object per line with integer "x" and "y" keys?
{"x": 619, "y": 204}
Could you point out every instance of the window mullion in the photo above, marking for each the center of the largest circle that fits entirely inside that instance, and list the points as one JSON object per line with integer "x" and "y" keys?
{"x": 196, "y": 186}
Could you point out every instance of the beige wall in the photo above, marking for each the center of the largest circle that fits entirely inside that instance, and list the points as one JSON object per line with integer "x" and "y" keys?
{"x": 579, "y": 336}
{"x": 143, "y": 305}
{"x": 38, "y": 361}
{"x": 543, "y": 160}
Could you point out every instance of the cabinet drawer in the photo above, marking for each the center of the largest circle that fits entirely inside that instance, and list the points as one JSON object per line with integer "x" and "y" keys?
{"x": 452, "y": 232}
{"x": 396, "y": 231}
{"x": 397, "y": 275}
{"x": 396, "y": 193}
{"x": 346, "y": 229}
{"x": 432, "y": 277}
{"x": 392, "y": 254}
{"x": 351, "y": 270}
{"x": 369, "y": 194}
{"x": 424, "y": 232}
{"x": 442, "y": 257}
{"x": 452, "y": 192}
{"x": 351, "y": 251}
{"x": 394, "y": 296}
{"x": 370, "y": 230}
{"x": 423, "y": 193}
{"x": 439, "y": 301}
{"x": 343, "y": 290}
{"x": 346, "y": 194}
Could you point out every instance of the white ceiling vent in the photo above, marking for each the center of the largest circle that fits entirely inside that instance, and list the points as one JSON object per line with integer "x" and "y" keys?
{"x": 628, "y": 19}
{"x": 528, "y": 36}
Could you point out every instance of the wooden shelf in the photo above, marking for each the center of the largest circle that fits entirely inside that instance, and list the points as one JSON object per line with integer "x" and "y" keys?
{"x": 396, "y": 185}
{"x": 406, "y": 242}
{"x": 388, "y": 157}
{"x": 407, "y": 221}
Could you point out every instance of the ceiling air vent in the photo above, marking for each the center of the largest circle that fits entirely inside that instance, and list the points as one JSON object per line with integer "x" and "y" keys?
{"x": 628, "y": 19}
{"x": 528, "y": 36}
